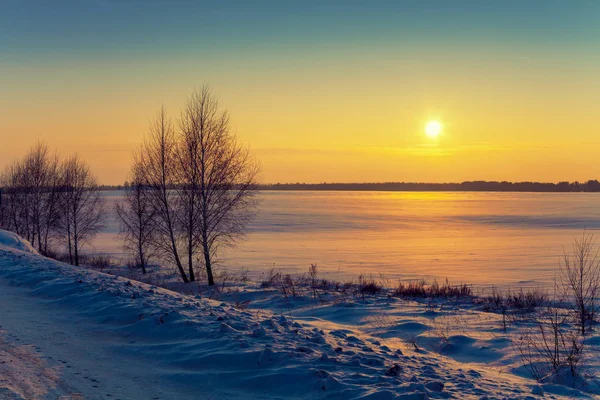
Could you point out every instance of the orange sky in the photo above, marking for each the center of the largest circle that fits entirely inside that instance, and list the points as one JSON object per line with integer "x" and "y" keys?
{"x": 344, "y": 109}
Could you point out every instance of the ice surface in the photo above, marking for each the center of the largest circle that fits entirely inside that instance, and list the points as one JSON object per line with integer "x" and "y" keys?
{"x": 504, "y": 239}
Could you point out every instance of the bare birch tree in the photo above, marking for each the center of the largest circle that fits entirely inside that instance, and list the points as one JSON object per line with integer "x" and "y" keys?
{"x": 157, "y": 163}
{"x": 136, "y": 214}
{"x": 219, "y": 177}
{"x": 81, "y": 207}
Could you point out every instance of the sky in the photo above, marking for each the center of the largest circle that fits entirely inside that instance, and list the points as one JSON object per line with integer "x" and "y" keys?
{"x": 321, "y": 91}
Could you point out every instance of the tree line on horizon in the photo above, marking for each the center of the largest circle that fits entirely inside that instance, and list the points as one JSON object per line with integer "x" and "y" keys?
{"x": 191, "y": 192}
{"x": 467, "y": 186}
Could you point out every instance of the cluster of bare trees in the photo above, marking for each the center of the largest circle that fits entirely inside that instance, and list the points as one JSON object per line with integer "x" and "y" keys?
{"x": 193, "y": 189}
{"x": 47, "y": 200}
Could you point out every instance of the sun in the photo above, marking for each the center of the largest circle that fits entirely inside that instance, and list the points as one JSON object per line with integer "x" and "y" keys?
{"x": 433, "y": 129}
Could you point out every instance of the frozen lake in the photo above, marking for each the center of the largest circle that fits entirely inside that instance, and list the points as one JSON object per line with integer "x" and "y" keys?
{"x": 481, "y": 238}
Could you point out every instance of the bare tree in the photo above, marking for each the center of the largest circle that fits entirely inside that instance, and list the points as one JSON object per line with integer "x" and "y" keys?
{"x": 136, "y": 214}
{"x": 156, "y": 163}
{"x": 81, "y": 207}
{"x": 21, "y": 201}
{"x": 580, "y": 275}
{"x": 13, "y": 199}
{"x": 218, "y": 178}
{"x": 188, "y": 182}
{"x": 43, "y": 182}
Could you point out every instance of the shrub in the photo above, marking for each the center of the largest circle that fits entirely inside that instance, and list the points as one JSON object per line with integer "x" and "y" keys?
{"x": 271, "y": 279}
{"x": 99, "y": 262}
{"x": 580, "y": 276}
{"x": 552, "y": 346}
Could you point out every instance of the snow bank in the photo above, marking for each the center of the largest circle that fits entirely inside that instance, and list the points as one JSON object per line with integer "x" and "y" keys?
{"x": 10, "y": 240}
{"x": 232, "y": 353}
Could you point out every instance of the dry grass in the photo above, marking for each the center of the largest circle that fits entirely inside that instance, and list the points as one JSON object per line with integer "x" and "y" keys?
{"x": 420, "y": 289}
{"x": 368, "y": 286}
{"x": 520, "y": 301}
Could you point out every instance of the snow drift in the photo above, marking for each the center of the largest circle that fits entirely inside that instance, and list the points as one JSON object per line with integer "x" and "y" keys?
{"x": 10, "y": 240}
{"x": 219, "y": 351}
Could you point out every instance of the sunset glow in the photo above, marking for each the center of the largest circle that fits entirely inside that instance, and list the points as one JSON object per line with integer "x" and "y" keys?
{"x": 336, "y": 92}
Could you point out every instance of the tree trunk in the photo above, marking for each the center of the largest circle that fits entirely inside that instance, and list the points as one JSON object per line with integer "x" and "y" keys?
{"x": 141, "y": 252}
{"x": 178, "y": 260}
{"x": 75, "y": 236}
{"x": 39, "y": 234}
{"x": 46, "y": 234}
{"x": 209, "y": 273}
{"x": 69, "y": 244}
{"x": 191, "y": 260}
{"x": 76, "y": 248}
{"x": 165, "y": 203}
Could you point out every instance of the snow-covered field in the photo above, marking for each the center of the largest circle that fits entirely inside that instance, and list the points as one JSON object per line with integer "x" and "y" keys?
{"x": 74, "y": 333}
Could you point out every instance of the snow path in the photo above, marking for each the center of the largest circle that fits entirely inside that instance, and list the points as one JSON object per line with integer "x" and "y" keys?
{"x": 71, "y": 333}
{"x": 47, "y": 352}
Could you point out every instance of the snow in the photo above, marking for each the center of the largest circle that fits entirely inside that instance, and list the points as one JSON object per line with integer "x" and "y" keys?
{"x": 11, "y": 240}
{"x": 68, "y": 332}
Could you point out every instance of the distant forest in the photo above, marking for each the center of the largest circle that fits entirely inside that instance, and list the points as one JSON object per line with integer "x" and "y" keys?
{"x": 469, "y": 186}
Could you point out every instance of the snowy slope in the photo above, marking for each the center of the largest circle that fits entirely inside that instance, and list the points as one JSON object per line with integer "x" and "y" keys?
{"x": 12, "y": 241}
{"x": 99, "y": 336}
